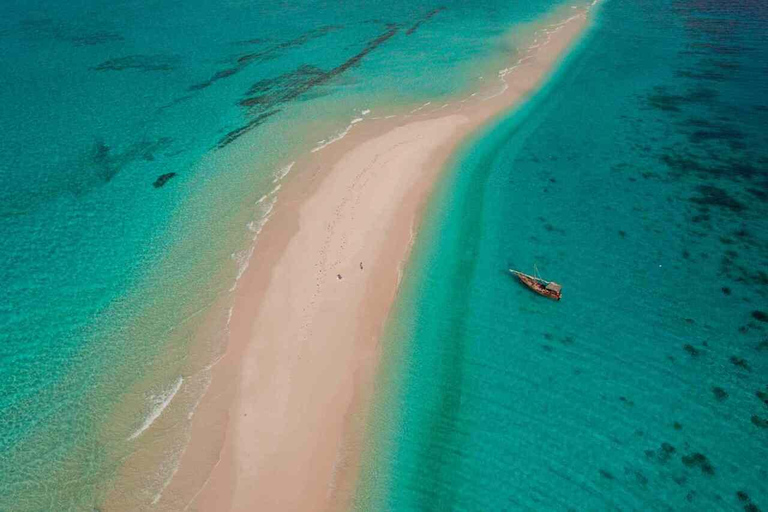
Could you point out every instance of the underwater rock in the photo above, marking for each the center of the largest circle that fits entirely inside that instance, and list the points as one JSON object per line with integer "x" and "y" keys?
{"x": 725, "y": 290}
{"x": 740, "y": 362}
{"x": 663, "y": 454}
{"x": 762, "y": 395}
{"x": 138, "y": 63}
{"x": 748, "y": 505}
{"x": 699, "y": 460}
{"x": 605, "y": 474}
{"x": 239, "y": 132}
{"x": 691, "y": 350}
{"x": 423, "y": 20}
{"x": 663, "y": 100}
{"x": 163, "y": 179}
{"x": 710, "y": 195}
{"x": 759, "y": 422}
{"x": 103, "y": 162}
{"x": 720, "y": 394}
{"x": 677, "y": 426}
{"x": 94, "y": 38}
{"x": 760, "y": 316}
{"x": 628, "y": 402}
{"x": 265, "y": 97}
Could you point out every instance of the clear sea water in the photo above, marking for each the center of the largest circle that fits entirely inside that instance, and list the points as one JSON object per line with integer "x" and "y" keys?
{"x": 638, "y": 179}
{"x": 140, "y": 144}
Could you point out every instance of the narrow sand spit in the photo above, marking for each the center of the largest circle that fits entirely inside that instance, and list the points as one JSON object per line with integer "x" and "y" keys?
{"x": 282, "y": 423}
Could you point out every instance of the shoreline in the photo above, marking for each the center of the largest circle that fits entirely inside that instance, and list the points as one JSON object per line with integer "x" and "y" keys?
{"x": 283, "y": 421}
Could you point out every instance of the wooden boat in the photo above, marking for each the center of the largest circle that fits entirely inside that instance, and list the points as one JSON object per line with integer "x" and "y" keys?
{"x": 548, "y": 289}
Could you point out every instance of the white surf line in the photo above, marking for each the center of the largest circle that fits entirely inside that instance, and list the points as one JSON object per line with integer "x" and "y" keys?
{"x": 547, "y": 33}
{"x": 327, "y": 142}
{"x": 283, "y": 172}
{"x": 420, "y": 108}
{"x": 160, "y": 401}
{"x": 266, "y": 204}
{"x": 207, "y": 376}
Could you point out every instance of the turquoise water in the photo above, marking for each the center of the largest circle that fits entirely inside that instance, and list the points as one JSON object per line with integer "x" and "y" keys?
{"x": 138, "y": 140}
{"x": 638, "y": 179}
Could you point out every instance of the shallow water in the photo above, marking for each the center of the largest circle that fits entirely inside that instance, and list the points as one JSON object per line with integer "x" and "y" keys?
{"x": 637, "y": 179}
{"x": 141, "y": 145}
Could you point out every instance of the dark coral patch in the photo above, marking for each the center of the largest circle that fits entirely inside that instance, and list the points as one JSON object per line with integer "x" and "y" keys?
{"x": 266, "y": 97}
{"x": 663, "y": 454}
{"x": 709, "y": 195}
{"x": 741, "y": 363}
{"x": 628, "y": 402}
{"x": 605, "y": 474}
{"x": 720, "y": 394}
{"x": 163, "y": 179}
{"x": 762, "y": 395}
{"x": 759, "y": 422}
{"x": 423, "y": 20}
{"x": 663, "y": 100}
{"x": 699, "y": 460}
{"x": 691, "y": 350}
{"x": 760, "y": 316}
{"x": 138, "y": 63}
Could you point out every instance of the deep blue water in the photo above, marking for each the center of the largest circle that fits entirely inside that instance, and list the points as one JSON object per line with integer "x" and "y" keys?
{"x": 638, "y": 179}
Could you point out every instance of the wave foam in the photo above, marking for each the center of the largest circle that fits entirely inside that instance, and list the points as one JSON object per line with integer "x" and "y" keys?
{"x": 283, "y": 172}
{"x": 327, "y": 142}
{"x": 159, "y": 403}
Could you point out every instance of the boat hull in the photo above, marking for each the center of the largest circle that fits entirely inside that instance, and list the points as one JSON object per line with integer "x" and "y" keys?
{"x": 535, "y": 286}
